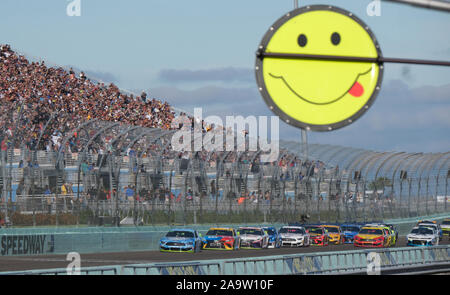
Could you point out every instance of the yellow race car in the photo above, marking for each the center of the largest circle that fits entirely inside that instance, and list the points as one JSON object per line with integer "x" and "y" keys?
{"x": 390, "y": 234}
{"x": 445, "y": 226}
{"x": 335, "y": 235}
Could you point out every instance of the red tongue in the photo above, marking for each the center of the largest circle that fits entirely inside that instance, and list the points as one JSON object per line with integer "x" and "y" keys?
{"x": 357, "y": 90}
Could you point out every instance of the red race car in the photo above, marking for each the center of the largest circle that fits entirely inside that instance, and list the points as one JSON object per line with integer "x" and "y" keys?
{"x": 372, "y": 236}
{"x": 221, "y": 239}
{"x": 318, "y": 235}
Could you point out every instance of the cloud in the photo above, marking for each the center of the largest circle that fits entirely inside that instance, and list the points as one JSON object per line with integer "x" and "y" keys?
{"x": 406, "y": 73}
{"x": 402, "y": 118}
{"x": 223, "y": 100}
{"x": 227, "y": 74}
{"x": 432, "y": 94}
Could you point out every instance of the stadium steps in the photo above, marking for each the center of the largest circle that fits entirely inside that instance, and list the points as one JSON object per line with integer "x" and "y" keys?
{"x": 59, "y": 181}
{"x": 243, "y": 187}
{"x": 114, "y": 183}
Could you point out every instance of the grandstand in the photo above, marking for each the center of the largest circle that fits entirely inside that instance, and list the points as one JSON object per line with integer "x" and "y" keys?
{"x": 81, "y": 152}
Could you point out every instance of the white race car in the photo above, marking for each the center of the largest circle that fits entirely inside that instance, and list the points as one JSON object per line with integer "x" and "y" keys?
{"x": 294, "y": 236}
{"x": 432, "y": 226}
{"x": 423, "y": 236}
{"x": 253, "y": 238}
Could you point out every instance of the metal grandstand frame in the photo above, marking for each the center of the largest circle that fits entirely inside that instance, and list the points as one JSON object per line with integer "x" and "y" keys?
{"x": 334, "y": 183}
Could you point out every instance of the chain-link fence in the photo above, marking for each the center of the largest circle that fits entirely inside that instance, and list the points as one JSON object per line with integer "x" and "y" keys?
{"x": 111, "y": 172}
{"x": 60, "y": 165}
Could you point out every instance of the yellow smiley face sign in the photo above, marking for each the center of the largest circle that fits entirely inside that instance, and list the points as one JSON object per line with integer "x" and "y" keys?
{"x": 313, "y": 93}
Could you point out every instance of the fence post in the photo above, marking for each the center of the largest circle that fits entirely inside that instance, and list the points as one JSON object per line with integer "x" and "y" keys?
{"x": 78, "y": 204}
{"x": 34, "y": 210}
{"x": 56, "y": 210}
{"x": 409, "y": 197}
{"x": 318, "y": 197}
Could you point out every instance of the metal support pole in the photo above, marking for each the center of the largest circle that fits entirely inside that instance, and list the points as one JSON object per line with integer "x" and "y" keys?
{"x": 445, "y": 196}
{"x": 318, "y": 198}
{"x": 295, "y": 193}
{"x": 5, "y": 183}
{"x": 305, "y": 144}
{"x": 329, "y": 199}
{"x": 436, "y": 194}
{"x": 427, "y": 196}
{"x": 400, "y": 197}
{"x": 216, "y": 188}
{"x": 409, "y": 197}
{"x": 418, "y": 196}
{"x": 364, "y": 200}
{"x": 430, "y": 4}
{"x": 110, "y": 182}
{"x": 194, "y": 191}
{"x": 304, "y": 134}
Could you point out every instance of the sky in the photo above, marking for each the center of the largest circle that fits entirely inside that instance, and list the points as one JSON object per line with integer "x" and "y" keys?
{"x": 201, "y": 53}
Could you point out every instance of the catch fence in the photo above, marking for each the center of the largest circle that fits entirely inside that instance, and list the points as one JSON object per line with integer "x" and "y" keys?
{"x": 103, "y": 169}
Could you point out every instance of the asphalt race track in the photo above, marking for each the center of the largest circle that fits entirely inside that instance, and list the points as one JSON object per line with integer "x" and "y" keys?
{"x": 20, "y": 263}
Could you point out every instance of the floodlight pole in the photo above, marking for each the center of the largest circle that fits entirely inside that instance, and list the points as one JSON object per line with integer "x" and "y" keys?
{"x": 304, "y": 133}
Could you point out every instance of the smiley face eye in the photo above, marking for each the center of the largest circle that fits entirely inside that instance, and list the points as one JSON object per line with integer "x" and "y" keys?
{"x": 302, "y": 40}
{"x": 335, "y": 38}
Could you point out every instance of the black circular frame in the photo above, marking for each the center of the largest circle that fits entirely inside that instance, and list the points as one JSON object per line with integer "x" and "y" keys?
{"x": 260, "y": 55}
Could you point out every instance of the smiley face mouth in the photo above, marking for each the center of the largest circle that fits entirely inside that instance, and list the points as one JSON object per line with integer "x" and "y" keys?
{"x": 355, "y": 89}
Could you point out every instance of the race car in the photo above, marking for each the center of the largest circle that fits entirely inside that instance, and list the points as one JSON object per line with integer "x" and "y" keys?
{"x": 181, "y": 240}
{"x": 318, "y": 235}
{"x": 372, "y": 236}
{"x": 426, "y": 222}
{"x": 294, "y": 236}
{"x": 433, "y": 226}
{"x": 422, "y": 236}
{"x": 394, "y": 230}
{"x": 334, "y": 234}
{"x": 349, "y": 231}
{"x": 253, "y": 238}
{"x": 274, "y": 238}
{"x": 221, "y": 239}
{"x": 445, "y": 226}
{"x": 390, "y": 234}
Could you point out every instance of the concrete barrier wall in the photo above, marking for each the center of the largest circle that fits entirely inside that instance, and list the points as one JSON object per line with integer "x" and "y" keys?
{"x": 313, "y": 263}
{"x": 35, "y": 241}
{"x": 62, "y": 240}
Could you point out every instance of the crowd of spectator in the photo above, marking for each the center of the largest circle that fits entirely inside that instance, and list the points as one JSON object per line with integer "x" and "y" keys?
{"x": 40, "y": 100}
{"x": 30, "y": 92}
{"x": 36, "y": 98}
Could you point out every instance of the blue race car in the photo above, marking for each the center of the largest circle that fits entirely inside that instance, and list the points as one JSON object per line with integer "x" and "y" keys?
{"x": 181, "y": 240}
{"x": 349, "y": 231}
{"x": 274, "y": 239}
